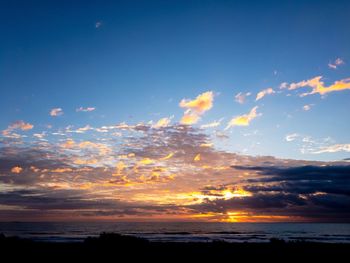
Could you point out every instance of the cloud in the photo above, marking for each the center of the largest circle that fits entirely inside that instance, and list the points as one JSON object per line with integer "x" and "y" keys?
{"x": 200, "y": 104}
{"x": 56, "y": 112}
{"x": 16, "y": 169}
{"x": 98, "y": 24}
{"x": 243, "y": 120}
{"x": 241, "y": 97}
{"x": 197, "y": 157}
{"x": 211, "y": 124}
{"x": 189, "y": 118}
{"x": 151, "y": 173}
{"x": 17, "y": 125}
{"x": 307, "y": 107}
{"x": 291, "y": 137}
{"x": 333, "y": 148}
{"x": 263, "y": 93}
{"x": 87, "y": 109}
{"x": 284, "y": 85}
{"x": 317, "y": 86}
{"x": 163, "y": 122}
{"x": 311, "y": 192}
{"x": 196, "y": 107}
{"x": 336, "y": 63}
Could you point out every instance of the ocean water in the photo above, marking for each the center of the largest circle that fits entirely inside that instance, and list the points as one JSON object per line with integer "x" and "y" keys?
{"x": 182, "y": 232}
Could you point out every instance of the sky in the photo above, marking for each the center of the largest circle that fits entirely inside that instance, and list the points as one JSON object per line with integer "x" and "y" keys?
{"x": 233, "y": 111}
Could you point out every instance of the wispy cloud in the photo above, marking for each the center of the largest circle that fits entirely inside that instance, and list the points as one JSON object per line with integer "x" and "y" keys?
{"x": 263, "y": 93}
{"x": 212, "y": 124}
{"x": 98, "y": 24}
{"x": 318, "y": 86}
{"x": 333, "y": 148}
{"x": 243, "y": 120}
{"x": 307, "y": 107}
{"x": 291, "y": 137}
{"x": 335, "y": 64}
{"x": 241, "y": 97}
{"x": 56, "y": 112}
{"x": 87, "y": 109}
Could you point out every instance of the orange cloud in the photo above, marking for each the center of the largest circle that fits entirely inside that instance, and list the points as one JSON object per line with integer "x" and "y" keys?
{"x": 16, "y": 169}
{"x": 319, "y": 87}
{"x": 243, "y": 120}
{"x": 17, "y": 125}
{"x": 61, "y": 170}
{"x": 120, "y": 168}
{"x": 200, "y": 104}
{"x": 195, "y": 108}
{"x": 206, "y": 145}
{"x": 68, "y": 144}
{"x": 189, "y": 118}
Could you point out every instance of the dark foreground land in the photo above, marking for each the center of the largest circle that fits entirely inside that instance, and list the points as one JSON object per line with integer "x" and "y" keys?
{"x": 118, "y": 248}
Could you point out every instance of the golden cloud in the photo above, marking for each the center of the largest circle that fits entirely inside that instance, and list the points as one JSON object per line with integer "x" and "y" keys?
{"x": 197, "y": 157}
{"x": 189, "y": 118}
{"x": 318, "y": 86}
{"x": 163, "y": 122}
{"x": 243, "y": 120}
{"x": 196, "y": 107}
{"x": 167, "y": 157}
{"x": 200, "y": 104}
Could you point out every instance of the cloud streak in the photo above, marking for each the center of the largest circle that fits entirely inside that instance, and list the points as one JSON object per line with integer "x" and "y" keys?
{"x": 87, "y": 109}
{"x": 263, "y": 93}
{"x": 318, "y": 87}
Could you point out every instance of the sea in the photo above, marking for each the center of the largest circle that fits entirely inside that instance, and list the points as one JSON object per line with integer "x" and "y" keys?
{"x": 180, "y": 231}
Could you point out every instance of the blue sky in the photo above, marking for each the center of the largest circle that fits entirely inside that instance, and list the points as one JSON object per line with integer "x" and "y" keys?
{"x": 234, "y": 111}
{"x": 136, "y": 60}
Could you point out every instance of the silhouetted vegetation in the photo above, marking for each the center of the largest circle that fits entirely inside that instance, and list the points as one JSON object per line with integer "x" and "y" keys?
{"x": 116, "y": 248}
